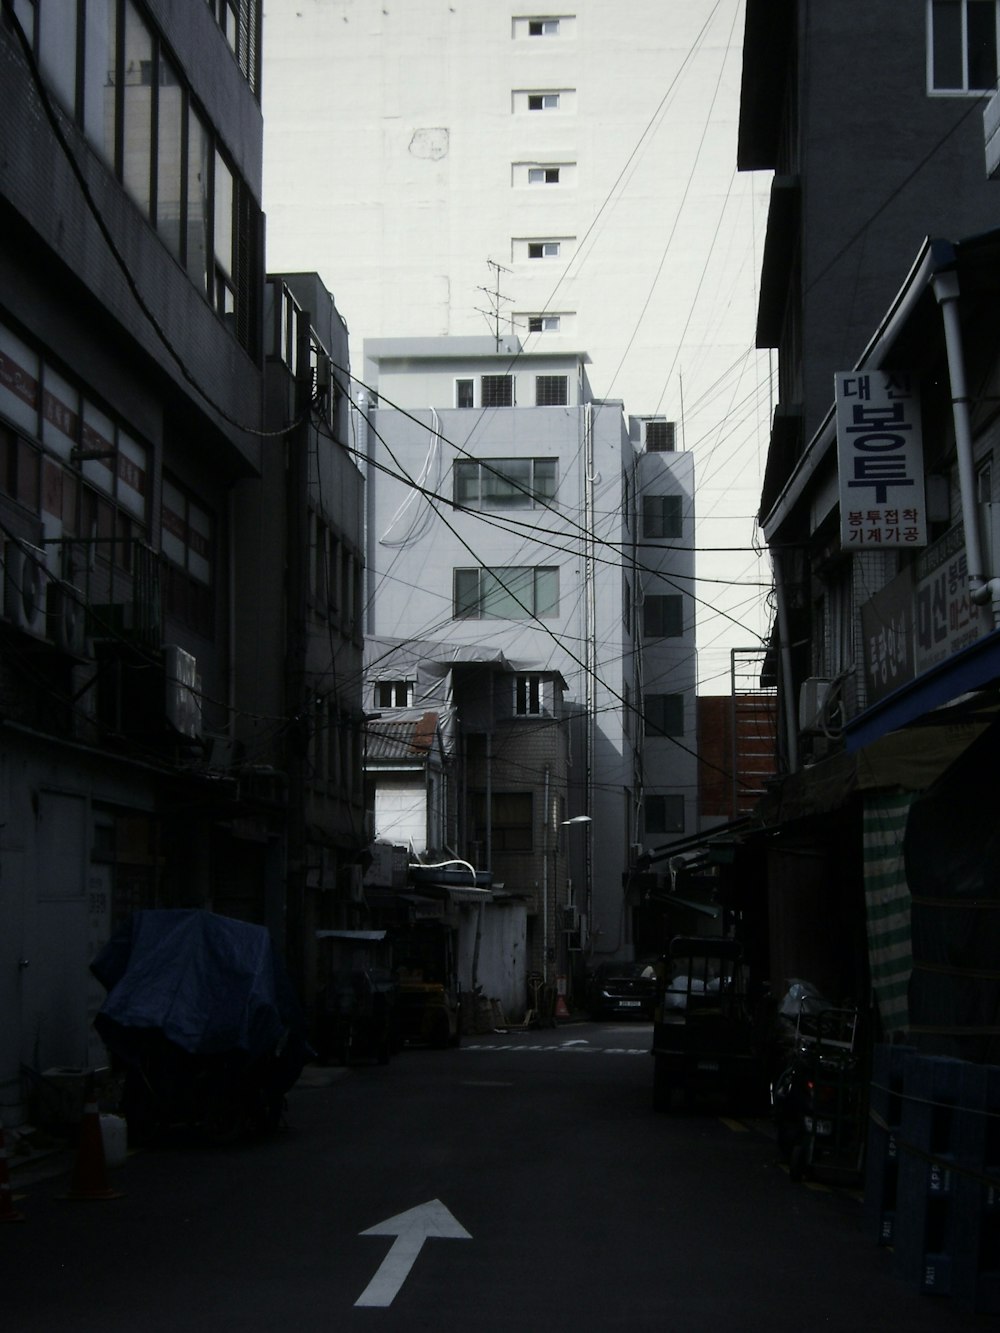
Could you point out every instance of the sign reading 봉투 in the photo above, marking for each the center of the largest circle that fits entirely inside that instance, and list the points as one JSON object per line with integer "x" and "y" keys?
{"x": 880, "y": 460}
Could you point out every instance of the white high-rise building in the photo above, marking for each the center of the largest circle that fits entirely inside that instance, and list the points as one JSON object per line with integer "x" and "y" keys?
{"x": 469, "y": 167}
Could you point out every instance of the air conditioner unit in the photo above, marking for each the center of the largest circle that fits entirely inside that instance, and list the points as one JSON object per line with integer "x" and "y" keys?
{"x": 67, "y": 618}
{"x": 183, "y": 690}
{"x": 24, "y": 575}
{"x": 813, "y": 695}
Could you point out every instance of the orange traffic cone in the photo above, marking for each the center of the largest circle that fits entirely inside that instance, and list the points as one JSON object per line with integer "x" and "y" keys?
{"x": 89, "y": 1176}
{"x": 561, "y": 1010}
{"x": 8, "y": 1213}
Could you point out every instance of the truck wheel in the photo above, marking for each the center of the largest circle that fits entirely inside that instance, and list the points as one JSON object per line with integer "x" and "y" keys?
{"x": 663, "y": 1085}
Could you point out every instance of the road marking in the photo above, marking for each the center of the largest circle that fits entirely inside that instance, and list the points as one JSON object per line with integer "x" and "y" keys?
{"x": 737, "y": 1126}
{"x": 411, "y": 1229}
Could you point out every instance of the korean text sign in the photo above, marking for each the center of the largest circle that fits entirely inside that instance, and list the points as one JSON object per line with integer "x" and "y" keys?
{"x": 880, "y": 460}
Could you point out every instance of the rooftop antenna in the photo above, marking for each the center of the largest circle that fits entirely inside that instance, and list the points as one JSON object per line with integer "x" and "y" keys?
{"x": 496, "y": 299}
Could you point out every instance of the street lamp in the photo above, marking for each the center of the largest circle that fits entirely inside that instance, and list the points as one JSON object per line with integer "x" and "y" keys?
{"x": 563, "y": 938}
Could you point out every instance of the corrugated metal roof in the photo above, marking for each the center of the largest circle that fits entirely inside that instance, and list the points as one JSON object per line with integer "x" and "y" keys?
{"x": 409, "y": 741}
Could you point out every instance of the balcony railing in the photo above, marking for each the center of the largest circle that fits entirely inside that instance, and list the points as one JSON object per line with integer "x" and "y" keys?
{"x": 117, "y": 581}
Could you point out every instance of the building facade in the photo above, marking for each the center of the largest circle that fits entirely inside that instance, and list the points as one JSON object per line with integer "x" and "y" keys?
{"x": 512, "y": 514}
{"x": 174, "y": 731}
{"x": 566, "y": 178}
{"x": 878, "y": 498}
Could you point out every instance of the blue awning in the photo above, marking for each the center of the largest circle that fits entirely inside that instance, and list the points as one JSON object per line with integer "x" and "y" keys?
{"x": 971, "y": 669}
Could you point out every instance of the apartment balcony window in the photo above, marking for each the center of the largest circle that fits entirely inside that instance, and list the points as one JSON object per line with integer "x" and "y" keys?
{"x": 663, "y": 616}
{"x": 664, "y": 814}
{"x": 497, "y": 391}
{"x": 662, "y": 516}
{"x": 529, "y": 696}
{"x": 962, "y": 46}
{"x": 504, "y": 483}
{"x": 507, "y": 593}
{"x": 551, "y": 390}
{"x": 663, "y": 715}
{"x": 394, "y": 693}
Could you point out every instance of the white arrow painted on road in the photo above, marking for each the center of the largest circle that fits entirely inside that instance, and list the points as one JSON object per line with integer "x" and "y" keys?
{"x": 411, "y": 1229}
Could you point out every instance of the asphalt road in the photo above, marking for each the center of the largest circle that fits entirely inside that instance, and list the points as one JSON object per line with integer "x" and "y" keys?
{"x": 521, "y": 1182}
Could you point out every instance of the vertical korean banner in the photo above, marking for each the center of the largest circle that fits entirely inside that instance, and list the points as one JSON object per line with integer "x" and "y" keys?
{"x": 880, "y": 460}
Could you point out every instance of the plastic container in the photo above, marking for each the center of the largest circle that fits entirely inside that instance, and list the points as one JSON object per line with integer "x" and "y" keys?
{"x": 114, "y": 1135}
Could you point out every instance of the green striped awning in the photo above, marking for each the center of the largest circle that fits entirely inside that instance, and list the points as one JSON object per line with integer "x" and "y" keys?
{"x": 887, "y": 900}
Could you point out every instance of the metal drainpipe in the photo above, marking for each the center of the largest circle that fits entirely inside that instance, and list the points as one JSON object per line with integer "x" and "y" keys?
{"x": 982, "y": 588}
{"x": 788, "y": 692}
{"x": 591, "y": 645}
{"x": 545, "y": 881}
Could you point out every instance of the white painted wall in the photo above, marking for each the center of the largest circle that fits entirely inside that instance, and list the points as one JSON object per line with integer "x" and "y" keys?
{"x": 394, "y": 142}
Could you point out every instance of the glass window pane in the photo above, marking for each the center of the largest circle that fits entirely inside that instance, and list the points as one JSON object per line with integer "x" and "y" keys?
{"x": 196, "y": 223}
{"x": 545, "y": 478}
{"x": 19, "y": 396}
{"x": 60, "y": 414}
{"x": 57, "y": 51}
{"x": 169, "y": 165}
{"x": 223, "y": 213}
{"x": 467, "y": 484}
{"x": 547, "y": 592}
{"x": 99, "y": 441}
{"x": 467, "y": 593}
{"x": 138, "y": 110}
{"x": 982, "y": 30}
{"x": 507, "y": 593}
{"x": 506, "y": 483}
{"x": 100, "y": 77}
{"x": 946, "y": 17}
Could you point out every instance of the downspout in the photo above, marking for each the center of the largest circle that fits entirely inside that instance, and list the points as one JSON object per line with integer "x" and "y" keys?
{"x": 589, "y": 479}
{"x": 545, "y": 881}
{"x": 982, "y": 588}
{"x": 788, "y": 689}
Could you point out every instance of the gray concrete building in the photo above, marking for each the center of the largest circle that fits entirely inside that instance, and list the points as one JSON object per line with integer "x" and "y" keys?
{"x": 174, "y": 730}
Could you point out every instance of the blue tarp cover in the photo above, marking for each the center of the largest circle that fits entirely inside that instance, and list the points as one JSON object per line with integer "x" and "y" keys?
{"x": 209, "y": 983}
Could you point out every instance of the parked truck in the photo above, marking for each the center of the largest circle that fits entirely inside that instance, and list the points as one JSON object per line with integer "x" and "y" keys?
{"x": 705, "y": 1037}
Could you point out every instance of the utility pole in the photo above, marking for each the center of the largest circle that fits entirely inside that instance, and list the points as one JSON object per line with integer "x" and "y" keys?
{"x": 298, "y": 707}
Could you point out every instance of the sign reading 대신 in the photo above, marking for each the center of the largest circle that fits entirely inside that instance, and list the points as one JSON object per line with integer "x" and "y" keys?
{"x": 880, "y": 460}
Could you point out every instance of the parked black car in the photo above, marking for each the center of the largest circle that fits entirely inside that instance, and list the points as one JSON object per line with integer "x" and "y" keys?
{"x": 621, "y": 989}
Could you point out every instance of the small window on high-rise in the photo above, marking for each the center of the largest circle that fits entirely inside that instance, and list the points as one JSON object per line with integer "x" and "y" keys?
{"x": 543, "y": 101}
{"x": 497, "y": 391}
{"x": 962, "y": 46}
{"x": 543, "y": 175}
{"x": 544, "y": 249}
{"x": 543, "y": 27}
{"x": 394, "y": 693}
{"x": 464, "y": 393}
{"x": 551, "y": 390}
{"x": 660, "y": 437}
{"x": 662, "y": 515}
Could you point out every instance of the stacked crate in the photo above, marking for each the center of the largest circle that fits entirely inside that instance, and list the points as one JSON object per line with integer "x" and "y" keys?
{"x": 885, "y": 1108}
{"x": 933, "y": 1183}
